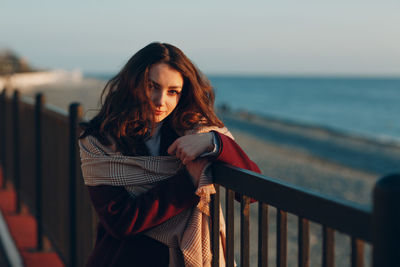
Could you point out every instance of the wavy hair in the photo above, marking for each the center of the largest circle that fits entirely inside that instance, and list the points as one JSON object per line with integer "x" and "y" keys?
{"x": 127, "y": 110}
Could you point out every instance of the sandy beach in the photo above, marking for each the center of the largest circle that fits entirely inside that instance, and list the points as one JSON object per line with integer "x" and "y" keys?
{"x": 341, "y": 166}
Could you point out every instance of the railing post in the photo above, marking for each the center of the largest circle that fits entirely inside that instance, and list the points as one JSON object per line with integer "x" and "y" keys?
{"x": 16, "y": 147}
{"x": 245, "y": 231}
{"x": 230, "y": 228}
{"x": 281, "y": 238}
{"x": 262, "y": 234}
{"x": 75, "y": 116}
{"x": 386, "y": 221}
{"x": 215, "y": 226}
{"x": 38, "y": 168}
{"x": 3, "y": 135}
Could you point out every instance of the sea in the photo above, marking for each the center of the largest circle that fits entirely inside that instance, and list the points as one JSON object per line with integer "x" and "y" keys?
{"x": 361, "y": 106}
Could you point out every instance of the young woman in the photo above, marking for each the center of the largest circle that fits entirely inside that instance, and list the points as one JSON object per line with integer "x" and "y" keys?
{"x": 144, "y": 159}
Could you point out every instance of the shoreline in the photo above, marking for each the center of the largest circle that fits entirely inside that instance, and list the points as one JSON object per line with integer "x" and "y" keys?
{"x": 310, "y": 127}
{"x": 326, "y": 160}
{"x": 357, "y": 153}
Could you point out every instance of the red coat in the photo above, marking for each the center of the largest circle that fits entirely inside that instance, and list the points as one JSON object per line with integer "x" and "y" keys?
{"x": 123, "y": 218}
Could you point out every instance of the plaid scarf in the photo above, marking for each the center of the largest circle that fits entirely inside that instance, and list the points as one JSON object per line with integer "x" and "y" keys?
{"x": 187, "y": 234}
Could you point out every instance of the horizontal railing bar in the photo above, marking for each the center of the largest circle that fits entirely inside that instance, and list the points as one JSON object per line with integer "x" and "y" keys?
{"x": 48, "y": 107}
{"x": 50, "y": 115}
{"x": 26, "y": 106}
{"x": 346, "y": 217}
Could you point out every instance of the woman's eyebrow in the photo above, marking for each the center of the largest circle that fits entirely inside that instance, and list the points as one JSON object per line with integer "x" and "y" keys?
{"x": 170, "y": 87}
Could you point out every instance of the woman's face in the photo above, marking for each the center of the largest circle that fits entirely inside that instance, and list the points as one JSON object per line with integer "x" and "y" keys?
{"x": 166, "y": 86}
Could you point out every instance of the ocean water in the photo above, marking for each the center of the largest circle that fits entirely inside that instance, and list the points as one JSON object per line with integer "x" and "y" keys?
{"x": 368, "y": 107}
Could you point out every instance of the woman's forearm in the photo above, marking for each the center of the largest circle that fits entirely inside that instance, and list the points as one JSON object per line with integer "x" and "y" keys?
{"x": 231, "y": 153}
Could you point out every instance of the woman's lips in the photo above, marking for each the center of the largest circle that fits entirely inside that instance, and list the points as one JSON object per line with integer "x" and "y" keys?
{"x": 157, "y": 112}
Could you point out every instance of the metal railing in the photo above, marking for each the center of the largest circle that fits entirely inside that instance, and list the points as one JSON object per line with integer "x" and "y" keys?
{"x": 39, "y": 157}
{"x": 379, "y": 226}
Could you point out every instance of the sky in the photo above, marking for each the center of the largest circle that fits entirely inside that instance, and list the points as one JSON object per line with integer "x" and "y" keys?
{"x": 253, "y": 37}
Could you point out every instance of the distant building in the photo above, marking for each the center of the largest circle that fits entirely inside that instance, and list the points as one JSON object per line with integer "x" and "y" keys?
{"x": 10, "y": 63}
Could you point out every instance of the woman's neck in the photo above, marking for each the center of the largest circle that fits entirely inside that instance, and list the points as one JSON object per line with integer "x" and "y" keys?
{"x": 156, "y": 129}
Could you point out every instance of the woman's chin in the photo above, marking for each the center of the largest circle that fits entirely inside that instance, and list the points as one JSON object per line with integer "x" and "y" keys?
{"x": 159, "y": 118}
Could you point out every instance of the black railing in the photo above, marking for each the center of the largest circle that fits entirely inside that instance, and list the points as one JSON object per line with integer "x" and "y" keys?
{"x": 39, "y": 158}
{"x": 379, "y": 227}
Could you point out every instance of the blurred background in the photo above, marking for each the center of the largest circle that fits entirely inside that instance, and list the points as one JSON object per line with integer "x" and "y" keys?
{"x": 310, "y": 89}
{"x": 222, "y": 37}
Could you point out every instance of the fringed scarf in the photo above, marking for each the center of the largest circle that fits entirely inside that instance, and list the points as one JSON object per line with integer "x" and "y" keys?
{"x": 187, "y": 234}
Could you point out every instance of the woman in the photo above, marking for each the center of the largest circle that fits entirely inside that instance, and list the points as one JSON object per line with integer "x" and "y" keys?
{"x": 158, "y": 105}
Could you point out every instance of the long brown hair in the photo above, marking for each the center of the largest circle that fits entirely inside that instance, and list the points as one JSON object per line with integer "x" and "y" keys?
{"x": 127, "y": 111}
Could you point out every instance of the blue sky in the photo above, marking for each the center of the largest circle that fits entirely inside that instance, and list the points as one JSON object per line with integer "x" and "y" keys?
{"x": 221, "y": 37}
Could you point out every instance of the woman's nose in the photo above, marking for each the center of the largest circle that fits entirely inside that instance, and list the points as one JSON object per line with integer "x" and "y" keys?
{"x": 158, "y": 98}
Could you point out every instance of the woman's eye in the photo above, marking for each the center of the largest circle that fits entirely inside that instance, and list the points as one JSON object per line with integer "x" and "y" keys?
{"x": 173, "y": 92}
{"x": 152, "y": 85}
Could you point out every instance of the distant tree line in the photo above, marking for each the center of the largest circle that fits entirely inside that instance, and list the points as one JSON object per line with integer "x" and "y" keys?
{"x": 11, "y": 63}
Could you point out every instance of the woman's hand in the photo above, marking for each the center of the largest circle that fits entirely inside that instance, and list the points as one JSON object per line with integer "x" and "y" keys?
{"x": 195, "y": 168}
{"x": 187, "y": 148}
